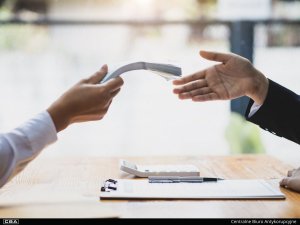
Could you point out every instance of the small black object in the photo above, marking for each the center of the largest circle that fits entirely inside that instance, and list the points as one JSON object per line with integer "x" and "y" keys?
{"x": 112, "y": 188}
{"x": 103, "y": 189}
{"x": 107, "y": 185}
{"x": 112, "y": 181}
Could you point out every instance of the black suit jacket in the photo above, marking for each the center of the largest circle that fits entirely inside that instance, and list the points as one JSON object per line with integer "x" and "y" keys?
{"x": 280, "y": 113}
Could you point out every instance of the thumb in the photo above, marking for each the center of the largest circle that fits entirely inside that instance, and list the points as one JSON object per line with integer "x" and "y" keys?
{"x": 99, "y": 75}
{"x": 215, "y": 56}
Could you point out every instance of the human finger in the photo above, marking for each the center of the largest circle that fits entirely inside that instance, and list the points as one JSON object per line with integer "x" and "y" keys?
{"x": 98, "y": 76}
{"x": 292, "y": 183}
{"x": 290, "y": 173}
{"x": 215, "y": 56}
{"x": 190, "y": 78}
{"x": 191, "y": 86}
{"x": 114, "y": 93}
{"x": 114, "y": 84}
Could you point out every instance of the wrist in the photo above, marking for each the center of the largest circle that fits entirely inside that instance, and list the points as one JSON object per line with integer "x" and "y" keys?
{"x": 59, "y": 117}
{"x": 258, "y": 88}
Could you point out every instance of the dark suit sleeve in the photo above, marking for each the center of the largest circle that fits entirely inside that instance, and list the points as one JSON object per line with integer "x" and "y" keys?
{"x": 280, "y": 113}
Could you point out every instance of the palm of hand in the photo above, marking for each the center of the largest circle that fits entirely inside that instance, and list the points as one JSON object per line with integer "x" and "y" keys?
{"x": 228, "y": 80}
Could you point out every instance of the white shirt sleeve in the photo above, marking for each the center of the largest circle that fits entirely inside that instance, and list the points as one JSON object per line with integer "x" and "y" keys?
{"x": 23, "y": 144}
{"x": 254, "y": 108}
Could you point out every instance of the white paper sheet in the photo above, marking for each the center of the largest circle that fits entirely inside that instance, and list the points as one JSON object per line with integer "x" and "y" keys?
{"x": 225, "y": 189}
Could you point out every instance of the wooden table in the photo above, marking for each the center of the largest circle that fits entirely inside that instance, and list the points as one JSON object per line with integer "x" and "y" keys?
{"x": 69, "y": 187}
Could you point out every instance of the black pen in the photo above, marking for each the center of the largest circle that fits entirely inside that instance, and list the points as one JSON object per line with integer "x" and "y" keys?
{"x": 176, "y": 179}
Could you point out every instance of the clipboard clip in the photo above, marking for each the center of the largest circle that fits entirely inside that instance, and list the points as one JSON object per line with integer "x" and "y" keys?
{"x": 109, "y": 185}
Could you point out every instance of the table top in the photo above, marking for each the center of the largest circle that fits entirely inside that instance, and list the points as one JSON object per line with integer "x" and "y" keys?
{"x": 70, "y": 186}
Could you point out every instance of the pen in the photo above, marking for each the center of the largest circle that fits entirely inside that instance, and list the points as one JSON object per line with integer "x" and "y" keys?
{"x": 176, "y": 179}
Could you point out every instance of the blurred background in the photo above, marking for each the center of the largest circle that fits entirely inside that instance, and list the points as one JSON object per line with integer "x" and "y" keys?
{"x": 48, "y": 45}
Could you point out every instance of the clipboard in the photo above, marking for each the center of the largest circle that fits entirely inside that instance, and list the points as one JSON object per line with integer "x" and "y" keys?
{"x": 224, "y": 189}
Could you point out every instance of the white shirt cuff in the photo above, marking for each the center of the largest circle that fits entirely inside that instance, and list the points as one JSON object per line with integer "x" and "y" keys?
{"x": 40, "y": 131}
{"x": 254, "y": 108}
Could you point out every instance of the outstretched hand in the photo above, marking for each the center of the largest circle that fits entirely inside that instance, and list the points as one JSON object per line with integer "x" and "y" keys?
{"x": 86, "y": 101}
{"x": 234, "y": 77}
